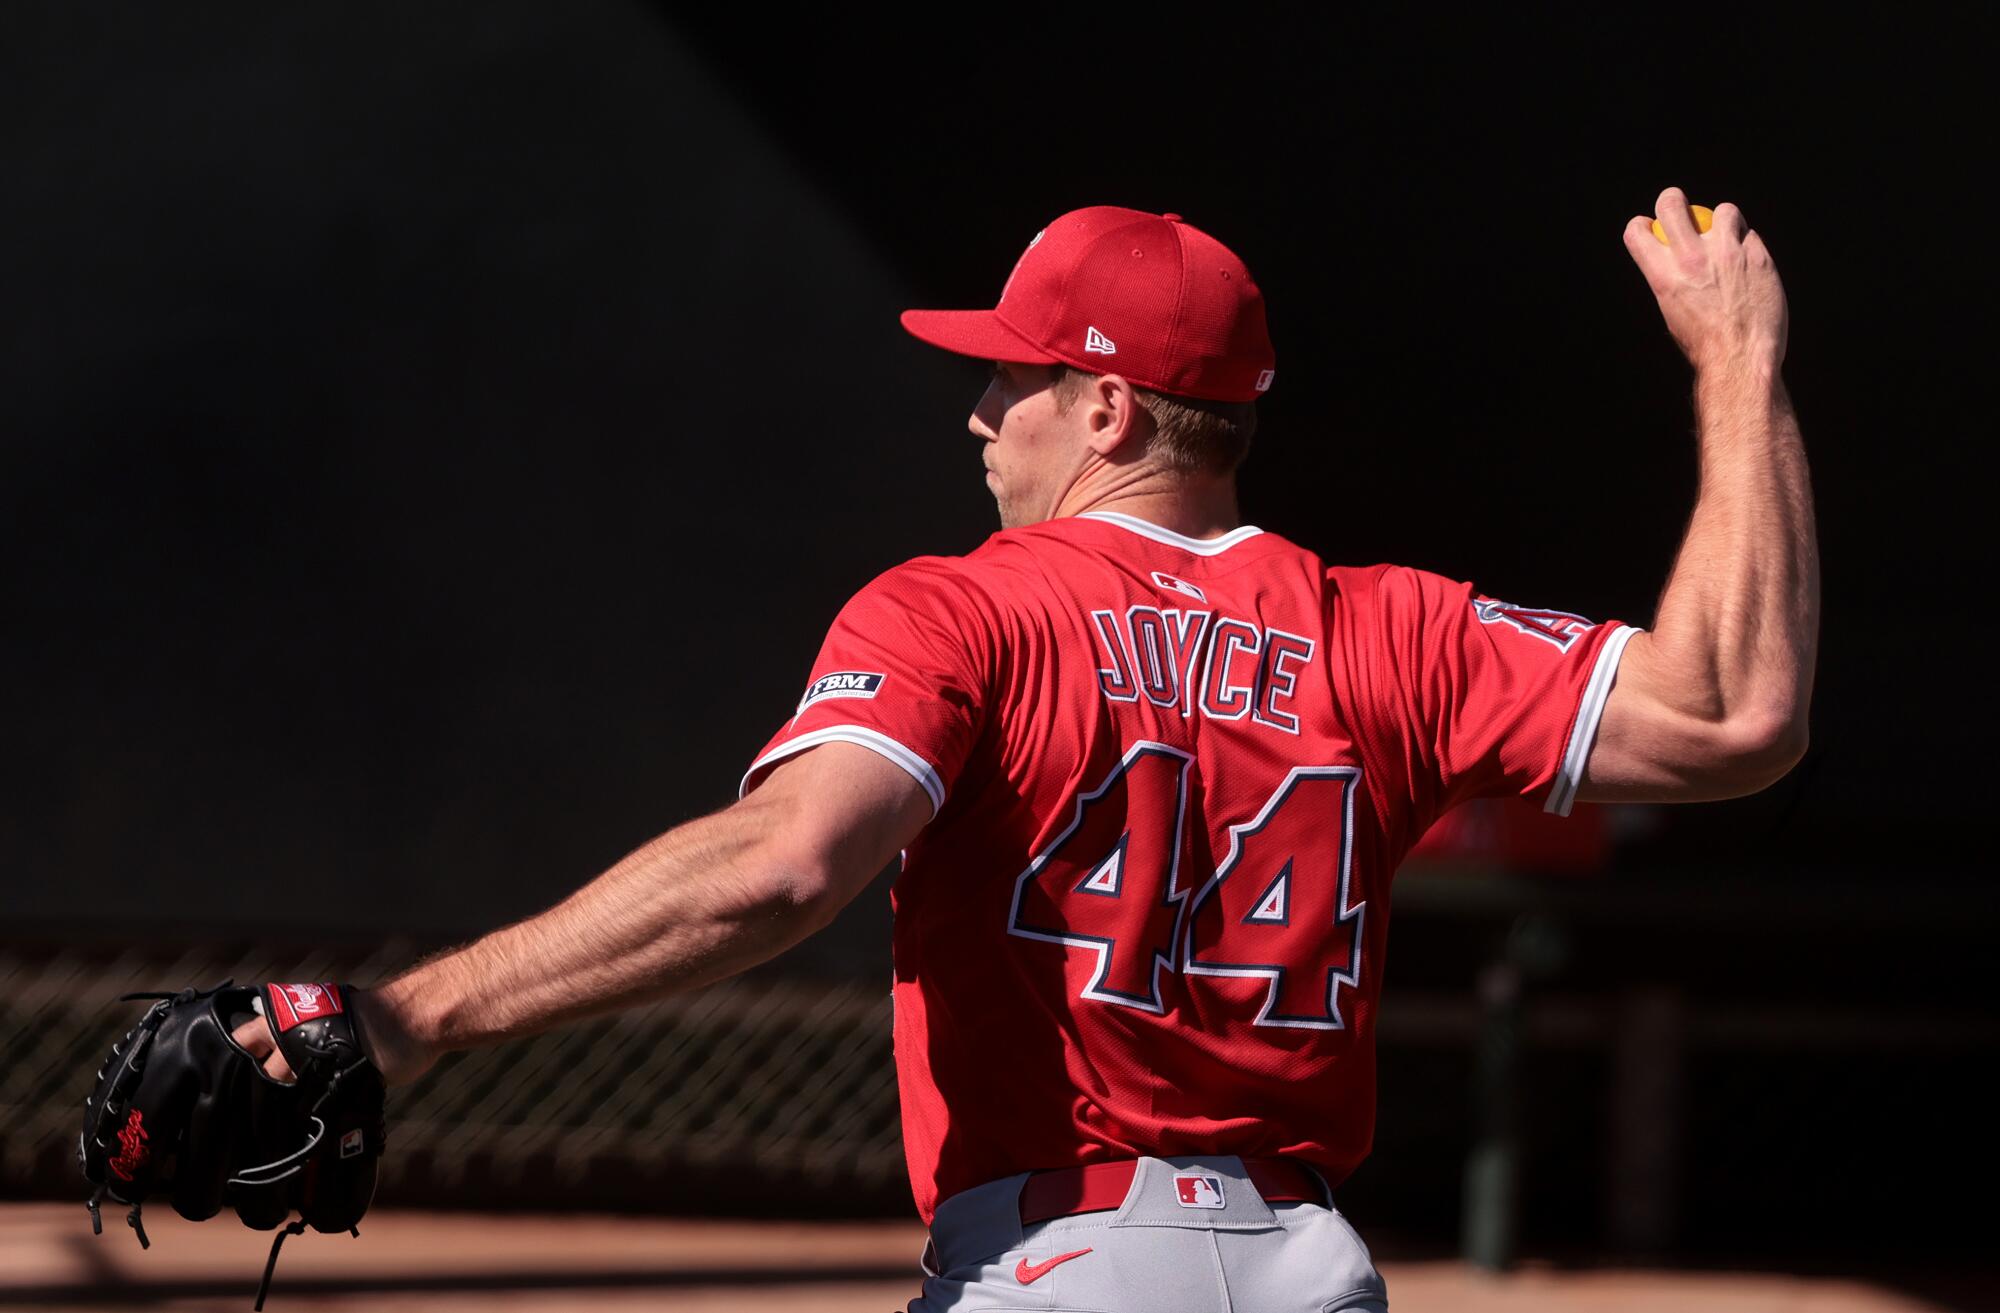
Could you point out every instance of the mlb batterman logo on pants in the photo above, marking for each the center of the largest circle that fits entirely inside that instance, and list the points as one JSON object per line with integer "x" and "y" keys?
{"x": 1199, "y": 1191}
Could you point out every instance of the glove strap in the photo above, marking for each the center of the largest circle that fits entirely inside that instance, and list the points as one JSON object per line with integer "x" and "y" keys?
{"x": 268, "y": 1173}
{"x": 96, "y": 1201}
{"x": 271, "y": 1263}
{"x": 294, "y": 1227}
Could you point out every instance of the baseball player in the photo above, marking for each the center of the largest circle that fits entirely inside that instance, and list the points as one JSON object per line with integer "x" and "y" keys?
{"x": 1150, "y": 770}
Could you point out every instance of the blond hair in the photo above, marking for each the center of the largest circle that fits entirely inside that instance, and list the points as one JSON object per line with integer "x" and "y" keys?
{"x": 1190, "y": 435}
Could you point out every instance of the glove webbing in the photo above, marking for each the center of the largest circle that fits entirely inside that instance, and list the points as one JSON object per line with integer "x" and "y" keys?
{"x": 97, "y": 1196}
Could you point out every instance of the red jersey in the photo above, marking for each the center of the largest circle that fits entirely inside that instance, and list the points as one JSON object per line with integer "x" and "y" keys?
{"x": 1172, "y": 779}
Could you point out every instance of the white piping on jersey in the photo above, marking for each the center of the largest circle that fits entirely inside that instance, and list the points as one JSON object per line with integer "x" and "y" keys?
{"x": 1562, "y": 794}
{"x": 1147, "y": 529}
{"x": 920, "y": 770}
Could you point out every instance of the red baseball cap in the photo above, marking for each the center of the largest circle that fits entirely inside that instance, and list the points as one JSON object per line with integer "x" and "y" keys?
{"x": 1117, "y": 291}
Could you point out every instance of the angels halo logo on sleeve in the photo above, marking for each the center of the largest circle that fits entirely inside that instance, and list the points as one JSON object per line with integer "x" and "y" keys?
{"x": 843, "y": 684}
{"x": 1561, "y": 628}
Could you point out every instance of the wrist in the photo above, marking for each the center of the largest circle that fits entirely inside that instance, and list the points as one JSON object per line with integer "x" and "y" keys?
{"x": 394, "y": 1034}
{"x": 1747, "y": 364}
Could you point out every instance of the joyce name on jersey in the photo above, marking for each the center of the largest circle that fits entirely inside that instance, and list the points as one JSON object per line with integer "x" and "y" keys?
{"x": 1219, "y": 666}
{"x": 1171, "y": 779}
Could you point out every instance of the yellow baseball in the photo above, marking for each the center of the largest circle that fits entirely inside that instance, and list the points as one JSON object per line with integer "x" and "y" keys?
{"x": 1704, "y": 219}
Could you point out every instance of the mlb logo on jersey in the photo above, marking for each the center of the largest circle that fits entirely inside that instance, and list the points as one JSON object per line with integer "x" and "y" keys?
{"x": 1197, "y": 1191}
{"x": 842, "y": 684}
{"x": 1161, "y": 579}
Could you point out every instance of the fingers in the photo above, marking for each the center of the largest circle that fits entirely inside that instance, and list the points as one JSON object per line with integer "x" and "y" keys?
{"x": 1645, "y": 249}
{"x": 255, "y": 1038}
{"x": 278, "y": 1069}
{"x": 1728, "y": 226}
{"x": 1638, "y": 229}
{"x": 1729, "y": 221}
{"x": 1718, "y": 291}
{"x": 1676, "y": 219}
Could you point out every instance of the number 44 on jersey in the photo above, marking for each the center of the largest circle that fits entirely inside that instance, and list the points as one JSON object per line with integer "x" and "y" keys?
{"x": 1277, "y": 907}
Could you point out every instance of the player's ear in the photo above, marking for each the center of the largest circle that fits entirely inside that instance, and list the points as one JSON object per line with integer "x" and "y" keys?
{"x": 1114, "y": 420}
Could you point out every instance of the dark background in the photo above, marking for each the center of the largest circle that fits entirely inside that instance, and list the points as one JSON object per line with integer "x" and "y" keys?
{"x": 436, "y": 437}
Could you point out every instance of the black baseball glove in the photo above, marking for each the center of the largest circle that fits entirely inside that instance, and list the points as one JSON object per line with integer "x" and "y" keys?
{"x": 181, "y": 1109}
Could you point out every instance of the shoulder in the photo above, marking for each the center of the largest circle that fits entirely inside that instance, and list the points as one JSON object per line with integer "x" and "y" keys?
{"x": 921, "y": 574}
{"x": 1007, "y": 570}
{"x": 1435, "y": 612}
{"x": 929, "y": 596}
{"x": 1393, "y": 592}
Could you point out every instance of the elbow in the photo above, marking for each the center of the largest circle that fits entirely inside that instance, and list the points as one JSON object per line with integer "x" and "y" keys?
{"x": 780, "y": 879}
{"x": 801, "y": 887}
{"x": 1754, "y": 751}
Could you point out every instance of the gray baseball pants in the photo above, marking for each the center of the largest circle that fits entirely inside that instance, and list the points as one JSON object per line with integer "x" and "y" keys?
{"x": 1157, "y": 1253}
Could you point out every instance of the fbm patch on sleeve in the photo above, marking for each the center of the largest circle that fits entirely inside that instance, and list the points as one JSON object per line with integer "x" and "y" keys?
{"x": 841, "y": 684}
{"x": 1561, "y": 628}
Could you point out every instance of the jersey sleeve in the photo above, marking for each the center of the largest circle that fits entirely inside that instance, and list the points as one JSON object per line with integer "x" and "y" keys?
{"x": 904, "y": 671}
{"x": 1491, "y": 698}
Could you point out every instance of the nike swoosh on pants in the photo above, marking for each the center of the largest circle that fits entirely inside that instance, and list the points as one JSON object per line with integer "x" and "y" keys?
{"x": 1027, "y": 1275}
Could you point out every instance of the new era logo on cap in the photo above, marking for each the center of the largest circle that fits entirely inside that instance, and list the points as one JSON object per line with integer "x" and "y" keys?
{"x": 1195, "y": 1191}
{"x": 1098, "y": 342}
